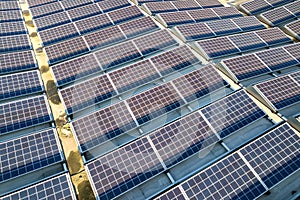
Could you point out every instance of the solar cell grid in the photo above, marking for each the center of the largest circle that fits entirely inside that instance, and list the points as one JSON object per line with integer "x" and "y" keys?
{"x": 125, "y": 14}
{"x": 103, "y": 125}
{"x": 28, "y": 153}
{"x": 69, "y": 4}
{"x": 294, "y": 28}
{"x": 14, "y": 43}
{"x": 247, "y": 41}
{"x": 17, "y": 61}
{"x": 28, "y": 112}
{"x": 199, "y": 83}
{"x": 186, "y": 5}
{"x": 10, "y": 16}
{"x": 84, "y": 12}
{"x": 56, "y": 188}
{"x": 20, "y": 84}
{"x": 118, "y": 54}
{"x": 66, "y": 50}
{"x": 75, "y": 69}
{"x": 232, "y": 113}
{"x": 209, "y": 4}
{"x": 107, "y": 6}
{"x": 217, "y": 47}
{"x": 12, "y": 28}
{"x": 277, "y": 16}
{"x": 53, "y": 20}
{"x": 277, "y": 59}
{"x": 153, "y": 42}
{"x": 33, "y": 3}
{"x": 88, "y": 93}
{"x": 248, "y": 23}
{"x": 275, "y": 155}
{"x": 195, "y": 31}
{"x": 93, "y": 23}
{"x": 9, "y": 5}
{"x": 296, "y": 76}
{"x": 58, "y": 34}
{"x": 294, "y": 50}
{"x": 203, "y": 15}
{"x": 138, "y": 27}
{"x": 230, "y": 178}
{"x": 46, "y": 9}
{"x": 126, "y": 78}
{"x": 160, "y": 7}
{"x": 123, "y": 169}
{"x": 256, "y": 6}
{"x": 175, "y": 193}
{"x": 273, "y": 36}
{"x": 294, "y": 8}
{"x": 175, "y": 18}
{"x": 221, "y": 27}
{"x": 276, "y": 3}
{"x": 104, "y": 37}
{"x": 247, "y": 66}
{"x": 154, "y": 102}
{"x": 281, "y": 92}
{"x": 183, "y": 138}
{"x": 174, "y": 60}
{"x": 227, "y": 12}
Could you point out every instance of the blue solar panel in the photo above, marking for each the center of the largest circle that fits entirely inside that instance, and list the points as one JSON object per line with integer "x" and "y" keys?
{"x": 247, "y": 41}
{"x": 14, "y": 43}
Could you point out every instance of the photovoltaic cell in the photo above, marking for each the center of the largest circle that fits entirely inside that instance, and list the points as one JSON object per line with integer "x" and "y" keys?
{"x": 209, "y": 4}
{"x": 33, "y": 3}
{"x": 53, "y": 20}
{"x": 248, "y": 23}
{"x": 9, "y": 5}
{"x": 174, "y": 60}
{"x": 24, "y": 113}
{"x": 12, "y": 28}
{"x": 84, "y": 12}
{"x": 175, "y": 18}
{"x": 107, "y": 6}
{"x": 125, "y": 14}
{"x": 256, "y": 6}
{"x": 123, "y": 169}
{"x": 86, "y": 94}
{"x": 247, "y": 41}
{"x": 294, "y": 50}
{"x": 223, "y": 27}
{"x": 57, "y": 188}
{"x": 93, "y": 23}
{"x": 66, "y": 50}
{"x": 14, "y": 43}
{"x": 247, "y": 66}
{"x": 175, "y": 194}
{"x": 229, "y": 178}
{"x": 28, "y": 153}
{"x": 294, "y": 28}
{"x": 126, "y": 78}
{"x": 281, "y": 92}
{"x": 232, "y": 113}
{"x": 154, "y": 102}
{"x": 69, "y": 4}
{"x": 17, "y": 61}
{"x": 195, "y": 31}
{"x": 118, "y": 54}
{"x": 296, "y": 76}
{"x": 276, "y": 3}
{"x": 227, "y": 12}
{"x": 103, "y": 125}
{"x": 10, "y": 16}
{"x": 199, "y": 83}
{"x": 294, "y": 8}
{"x": 186, "y": 5}
{"x": 77, "y": 68}
{"x": 274, "y": 156}
{"x": 58, "y": 34}
{"x": 46, "y": 9}
{"x": 183, "y": 138}
{"x": 203, "y": 15}
{"x": 160, "y": 7}
{"x": 20, "y": 84}
{"x": 153, "y": 42}
{"x": 277, "y": 16}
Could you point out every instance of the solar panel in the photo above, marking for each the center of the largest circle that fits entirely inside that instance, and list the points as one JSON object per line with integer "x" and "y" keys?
{"x": 9, "y": 5}
{"x": 199, "y": 83}
{"x": 117, "y": 55}
{"x": 29, "y": 153}
{"x": 14, "y": 43}
{"x": 277, "y": 16}
{"x": 153, "y": 42}
{"x": 296, "y": 76}
{"x": 175, "y": 18}
{"x": 123, "y": 169}
{"x": 255, "y": 6}
{"x": 69, "y": 4}
{"x": 102, "y": 38}
{"x": 294, "y": 28}
{"x": 195, "y": 31}
{"x": 159, "y": 7}
{"x": 174, "y": 60}
{"x": 281, "y": 92}
{"x": 248, "y": 23}
{"x": 57, "y": 34}
{"x": 232, "y": 113}
{"x": 175, "y": 194}
{"x": 24, "y": 113}
{"x": 186, "y": 5}
{"x": 77, "y": 68}
{"x": 86, "y": 94}
{"x": 223, "y": 27}
{"x": 84, "y": 12}
{"x": 294, "y": 50}
{"x": 57, "y": 188}
{"x": 125, "y": 14}
{"x": 274, "y": 156}
{"x": 154, "y": 102}
{"x": 107, "y": 6}
{"x": 138, "y": 27}
{"x": 17, "y": 61}
{"x": 34, "y": 3}
{"x": 273, "y": 36}
{"x": 209, "y": 4}
{"x": 277, "y": 59}
{"x": 66, "y": 50}
{"x": 294, "y": 8}
{"x": 227, "y": 12}
{"x": 46, "y": 9}
{"x": 126, "y": 78}
{"x": 10, "y": 16}
{"x": 244, "y": 67}
{"x": 217, "y": 47}
{"x": 53, "y": 20}
{"x": 203, "y": 15}
{"x": 20, "y": 84}
{"x": 229, "y": 178}
{"x": 247, "y": 41}
{"x": 12, "y": 28}
{"x": 93, "y": 23}
{"x": 183, "y": 138}
{"x": 276, "y": 3}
